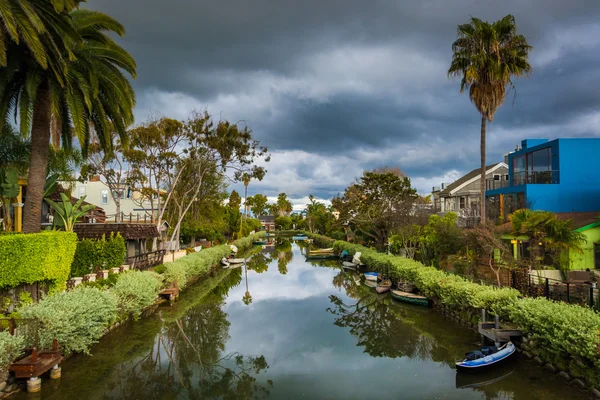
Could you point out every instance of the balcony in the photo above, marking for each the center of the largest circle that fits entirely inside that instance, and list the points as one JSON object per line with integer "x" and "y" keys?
{"x": 524, "y": 178}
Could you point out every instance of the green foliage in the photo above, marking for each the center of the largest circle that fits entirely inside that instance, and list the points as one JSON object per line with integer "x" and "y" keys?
{"x": 75, "y": 318}
{"x": 10, "y": 347}
{"x": 249, "y": 225}
{"x": 283, "y": 223}
{"x": 67, "y": 213}
{"x": 175, "y": 273}
{"x": 38, "y": 257}
{"x": 257, "y": 204}
{"x": 136, "y": 290}
{"x": 102, "y": 254}
{"x": 440, "y": 238}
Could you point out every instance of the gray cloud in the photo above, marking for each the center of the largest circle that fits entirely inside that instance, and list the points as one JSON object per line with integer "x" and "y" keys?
{"x": 334, "y": 87}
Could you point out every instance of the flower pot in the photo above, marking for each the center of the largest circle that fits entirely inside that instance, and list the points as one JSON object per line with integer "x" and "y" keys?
{"x": 91, "y": 277}
{"x": 77, "y": 281}
{"x": 105, "y": 273}
{"x": 115, "y": 270}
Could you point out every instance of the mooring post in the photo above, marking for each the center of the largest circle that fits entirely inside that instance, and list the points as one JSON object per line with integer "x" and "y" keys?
{"x": 483, "y": 315}
{"x": 497, "y": 321}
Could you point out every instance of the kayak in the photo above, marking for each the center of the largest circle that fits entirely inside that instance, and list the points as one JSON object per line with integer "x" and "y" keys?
{"x": 487, "y": 357}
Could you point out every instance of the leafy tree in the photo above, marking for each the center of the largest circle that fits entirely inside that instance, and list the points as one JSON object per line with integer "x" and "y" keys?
{"x": 83, "y": 90}
{"x": 283, "y": 223}
{"x": 283, "y": 207}
{"x": 233, "y": 215}
{"x": 407, "y": 238}
{"x": 318, "y": 217}
{"x": 488, "y": 56}
{"x": 257, "y": 204}
{"x": 489, "y": 248}
{"x": 377, "y": 205}
{"x": 441, "y": 238}
{"x": 249, "y": 225}
{"x": 9, "y": 189}
{"x": 234, "y": 200}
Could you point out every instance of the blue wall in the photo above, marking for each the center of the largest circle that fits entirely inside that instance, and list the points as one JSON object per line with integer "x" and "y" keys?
{"x": 578, "y": 162}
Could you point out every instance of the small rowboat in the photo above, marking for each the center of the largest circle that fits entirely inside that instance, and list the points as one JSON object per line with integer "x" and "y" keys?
{"x": 235, "y": 260}
{"x": 322, "y": 257}
{"x": 322, "y": 251}
{"x": 410, "y": 298}
{"x": 371, "y": 284}
{"x": 225, "y": 263}
{"x": 384, "y": 286}
{"x": 371, "y": 276}
{"x": 484, "y": 359}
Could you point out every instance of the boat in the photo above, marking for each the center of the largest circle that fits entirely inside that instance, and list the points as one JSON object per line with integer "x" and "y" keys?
{"x": 321, "y": 257}
{"x": 384, "y": 286}
{"x": 349, "y": 265}
{"x": 321, "y": 251}
{"x": 260, "y": 242}
{"x": 410, "y": 298}
{"x": 371, "y": 284}
{"x": 300, "y": 237}
{"x": 485, "y": 358}
{"x": 235, "y": 260}
{"x": 371, "y": 276}
{"x": 224, "y": 262}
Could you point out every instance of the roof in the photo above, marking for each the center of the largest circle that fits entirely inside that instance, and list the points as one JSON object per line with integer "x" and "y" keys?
{"x": 267, "y": 218}
{"x": 473, "y": 174}
{"x": 128, "y": 231}
{"x": 580, "y": 220}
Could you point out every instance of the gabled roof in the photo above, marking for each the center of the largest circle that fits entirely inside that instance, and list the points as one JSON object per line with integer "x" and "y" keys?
{"x": 471, "y": 176}
{"x": 270, "y": 219}
{"x": 581, "y": 220}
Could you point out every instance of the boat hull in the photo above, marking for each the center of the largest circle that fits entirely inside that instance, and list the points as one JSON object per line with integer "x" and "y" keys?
{"x": 487, "y": 362}
{"x": 299, "y": 237}
{"x": 410, "y": 298}
{"x": 236, "y": 261}
{"x": 322, "y": 257}
{"x": 382, "y": 289}
{"x": 371, "y": 276}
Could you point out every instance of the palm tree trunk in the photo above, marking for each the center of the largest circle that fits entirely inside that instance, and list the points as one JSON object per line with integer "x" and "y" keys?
{"x": 482, "y": 183}
{"x": 36, "y": 179}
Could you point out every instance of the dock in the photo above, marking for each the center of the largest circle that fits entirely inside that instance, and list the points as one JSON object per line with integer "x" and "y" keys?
{"x": 37, "y": 363}
{"x": 495, "y": 332}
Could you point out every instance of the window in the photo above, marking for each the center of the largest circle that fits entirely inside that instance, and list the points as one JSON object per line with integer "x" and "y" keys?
{"x": 462, "y": 203}
{"x": 533, "y": 167}
{"x": 81, "y": 191}
{"x": 519, "y": 167}
{"x": 104, "y": 196}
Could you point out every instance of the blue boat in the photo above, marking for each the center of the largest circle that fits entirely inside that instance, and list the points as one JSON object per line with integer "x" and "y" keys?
{"x": 299, "y": 237}
{"x": 371, "y": 276}
{"x": 487, "y": 357}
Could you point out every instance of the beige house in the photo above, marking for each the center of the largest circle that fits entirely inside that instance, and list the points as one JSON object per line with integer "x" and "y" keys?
{"x": 463, "y": 196}
{"x": 133, "y": 206}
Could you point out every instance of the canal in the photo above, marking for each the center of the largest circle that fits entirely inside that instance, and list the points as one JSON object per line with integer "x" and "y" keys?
{"x": 284, "y": 328}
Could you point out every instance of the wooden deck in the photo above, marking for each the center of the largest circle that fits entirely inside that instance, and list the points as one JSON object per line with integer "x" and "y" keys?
{"x": 37, "y": 363}
{"x": 497, "y": 333}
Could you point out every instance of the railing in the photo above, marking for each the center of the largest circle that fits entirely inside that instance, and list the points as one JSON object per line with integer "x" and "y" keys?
{"x": 535, "y": 177}
{"x": 584, "y": 294}
{"x": 130, "y": 218}
{"x": 146, "y": 260}
{"x": 491, "y": 184}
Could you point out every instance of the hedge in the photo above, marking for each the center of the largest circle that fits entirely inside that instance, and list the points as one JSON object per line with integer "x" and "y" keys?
{"x": 10, "y": 347}
{"x": 36, "y": 257}
{"x": 109, "y": 253}
{"x": 566, "y": 334}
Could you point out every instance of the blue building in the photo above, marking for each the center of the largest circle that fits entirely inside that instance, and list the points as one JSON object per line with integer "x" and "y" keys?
{"x": 561, "y": 175}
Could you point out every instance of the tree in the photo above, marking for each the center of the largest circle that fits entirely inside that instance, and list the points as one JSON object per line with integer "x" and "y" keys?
{"x": 283, "y": 207}
{"x": 83, "y": 90}
{"x": 318, "y": 217}
{"x": 234, "y": 200}
{"x": 488, "y": 56}
{"x": 408, "y": 238}
{"x": 489, "y": 248}
{"x": 377, "y": 205}
{"x": 257, "y": 204}
{"x": 441, "y": 237}
{"x": 232, "y": 213}
{"x": 283, "y": 223}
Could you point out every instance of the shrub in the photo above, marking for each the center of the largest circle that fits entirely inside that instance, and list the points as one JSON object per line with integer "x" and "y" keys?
{"x": 175, "y": 273}
{"x": 37, "y": 257}
{"x": 135, "y": 291}
{"x": 10, "y": 347}
{"x": 76, "y": 318}
{"x": 110, "y": 251}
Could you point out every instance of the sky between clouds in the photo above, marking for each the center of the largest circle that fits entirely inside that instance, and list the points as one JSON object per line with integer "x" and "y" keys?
{"x": 334, "y": 87}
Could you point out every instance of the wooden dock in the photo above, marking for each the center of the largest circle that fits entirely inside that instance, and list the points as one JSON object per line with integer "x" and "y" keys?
{"x": 37, "y": 363}
{"x": 495, "y": 332}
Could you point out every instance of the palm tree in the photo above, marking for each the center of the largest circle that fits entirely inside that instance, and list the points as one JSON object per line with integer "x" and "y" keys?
{"x": 488, "y": 56}
{"x": 94, "y": 98}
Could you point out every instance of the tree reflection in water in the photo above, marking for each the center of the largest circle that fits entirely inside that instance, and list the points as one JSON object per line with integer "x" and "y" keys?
{"x": 285, "y": 255}
{"x": 187, "y": 360}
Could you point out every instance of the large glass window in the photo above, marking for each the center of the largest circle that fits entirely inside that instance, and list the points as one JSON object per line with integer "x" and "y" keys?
{"x": 104, "y": 196}
{"x": 519, "y": 167}
{"x": 533, "y": 167}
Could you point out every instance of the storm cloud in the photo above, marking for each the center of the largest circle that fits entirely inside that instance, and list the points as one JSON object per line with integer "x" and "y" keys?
{"x": 336, "y": 87}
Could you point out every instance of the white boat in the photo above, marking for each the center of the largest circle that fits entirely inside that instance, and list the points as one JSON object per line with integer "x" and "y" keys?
{"x": 371, "y": 276}
{"x": 224, "y": 263}
{"x": 348, "y": 265}
{"x": 235, "y": 260}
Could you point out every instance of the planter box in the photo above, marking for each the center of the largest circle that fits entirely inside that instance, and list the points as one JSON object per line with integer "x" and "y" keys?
{"x": 91, "y": 277}
{"x": 105, "y": 273}
{"x": 76, "y": 281}
{"x": 125, "y": 268}
{"x": 115, "y": 270}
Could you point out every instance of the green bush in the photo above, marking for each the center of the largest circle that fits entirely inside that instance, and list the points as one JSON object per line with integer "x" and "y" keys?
{"x": 76, "y": 318}
{"x": 175, "y": 273}
{"x": 135, "y": 291}
{"x": 10, "y": 347}
{"x": 96, "y": 253}
{"x": 36, "y": 257}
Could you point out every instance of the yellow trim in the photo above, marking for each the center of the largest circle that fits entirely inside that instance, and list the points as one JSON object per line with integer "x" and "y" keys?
{"x": 18, "y": 223}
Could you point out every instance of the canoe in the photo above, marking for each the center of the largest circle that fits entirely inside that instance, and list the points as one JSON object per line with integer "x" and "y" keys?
{"x": 486, "y": 358}
{"x": 371, "y": 276}
{"x": 410, "y": 298}
{"x": 299, "y": 237}
{"x": 235, "y": 260}
{"x": 260, "y": 242}
{"x": 384, "y": 286}
{"x": 322, "y": 257}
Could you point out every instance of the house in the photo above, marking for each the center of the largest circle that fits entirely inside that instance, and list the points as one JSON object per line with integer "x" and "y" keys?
{"x": 463, "y": 196}
{"x": 267, "y": 222}
{"x": 560, "y": 176}
{"x": 588, "y": 223}
{"x": 134, "y": 206}
{"x": 135, "y": 235}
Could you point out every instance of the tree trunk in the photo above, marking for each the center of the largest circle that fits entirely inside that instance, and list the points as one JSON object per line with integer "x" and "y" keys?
{"x": 36, "y": 179}
{"x": 482, "y": 183}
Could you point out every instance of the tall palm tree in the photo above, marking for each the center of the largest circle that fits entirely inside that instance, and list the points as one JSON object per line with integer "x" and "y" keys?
{"x": 488, "y": 56}
{"x": 94, "y": 98}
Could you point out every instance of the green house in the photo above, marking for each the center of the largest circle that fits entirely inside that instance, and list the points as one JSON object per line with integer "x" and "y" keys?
{"x": 587, "y": 223}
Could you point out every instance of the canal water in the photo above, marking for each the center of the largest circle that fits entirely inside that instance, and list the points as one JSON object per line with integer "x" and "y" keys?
{"x": 284, "y": 328}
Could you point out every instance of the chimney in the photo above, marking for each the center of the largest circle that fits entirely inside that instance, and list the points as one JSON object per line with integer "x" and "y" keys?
{"x": 95, "y": 178}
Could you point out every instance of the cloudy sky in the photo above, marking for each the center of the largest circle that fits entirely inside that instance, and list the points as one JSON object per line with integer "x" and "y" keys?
{"x": 334, "y": 87}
